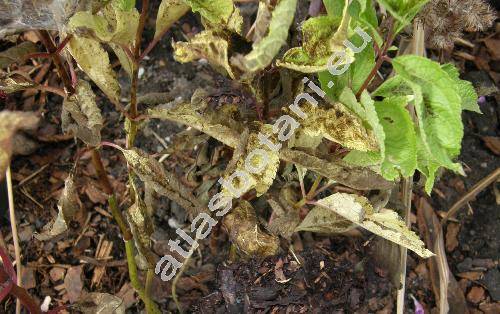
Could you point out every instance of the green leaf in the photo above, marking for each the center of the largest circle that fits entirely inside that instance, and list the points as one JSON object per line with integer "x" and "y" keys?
{"x": 126, "y": 5}
{"x": 403, "y": 10}
{"x": 322, "y": 37}
{"x": 266, "y": 49}
{"x": 400, "y": 138}
{"x": 354, "y": 77}
{"x": 215, "y": 11}
{"x": 464, "y": 88}
{"x": 168, "y": 13}
{"x": 438, "y": 107}
{"x": 113, "y": 25}
{"x": 334, "y": 7}
{"x": 363, "y": 12}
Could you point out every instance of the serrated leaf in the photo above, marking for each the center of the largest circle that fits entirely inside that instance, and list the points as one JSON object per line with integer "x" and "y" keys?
{"x": 168, "y": 13}
{"x": 245, "y": 233}
{"x": 464, "y": 88}
{"x": 16, "y": 53}
{"x": 322, "y": 37}
{"x": 68, "y": 205}
{"x": 81, "y": 116}
{"x": 10, "y": 123}
{"x": 94, "y": 61}
{"x": 205, "y": 45}
{"x": 438, "y": 107}
{"x": 398, "y": 154}
{"x": 264, "y": 51}
{"x": 386, "y": 223}
{"x": 355, "y": 177}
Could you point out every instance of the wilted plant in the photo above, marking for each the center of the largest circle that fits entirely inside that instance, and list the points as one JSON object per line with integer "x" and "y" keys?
{"x": 356, "y": 134}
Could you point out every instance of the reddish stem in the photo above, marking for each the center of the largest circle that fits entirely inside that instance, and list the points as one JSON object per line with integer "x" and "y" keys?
{"x": 380, "y": 58}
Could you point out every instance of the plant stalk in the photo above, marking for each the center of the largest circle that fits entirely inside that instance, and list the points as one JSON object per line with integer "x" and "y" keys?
{"x": 15, "y": 238}
{"x": 380, "y": 58}
{"x": 52, "y": 49}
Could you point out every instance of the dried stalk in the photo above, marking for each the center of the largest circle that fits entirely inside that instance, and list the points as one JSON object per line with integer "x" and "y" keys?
{"x": 15, "y": 238}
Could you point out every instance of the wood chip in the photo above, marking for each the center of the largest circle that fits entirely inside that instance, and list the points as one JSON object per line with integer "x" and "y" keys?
{"x": 451, "y": 236}
{"x": 73, "y": 283}
{"x": 476, "y": 294}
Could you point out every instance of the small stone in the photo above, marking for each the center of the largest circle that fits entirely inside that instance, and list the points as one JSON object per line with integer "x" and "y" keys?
{"x": 476, "y": 294}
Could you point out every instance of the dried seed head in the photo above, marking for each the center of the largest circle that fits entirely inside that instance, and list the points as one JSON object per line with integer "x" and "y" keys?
{"x": 446, "y": 20}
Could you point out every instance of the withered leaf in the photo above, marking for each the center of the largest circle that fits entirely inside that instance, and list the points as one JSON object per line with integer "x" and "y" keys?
{"x": 285, "y": 219}
{"x": 360, "y": 178}
{"x": 81, "y": 115}
{"x": 339, "y": 125}
{"x": 142, "y": 228}
{"x": 322, "y": 37}
{"x": 10, "y": 122}
{"x": 68, "y": 205}
{"x": 15, "y": 81}
{"x": 385, "y": 223}
{"x": 94, "y": 61}
{"x": 186, "y": 114}
{"x": 245, "y": 233}
{"x": 209, "y": 45}
{"x": 260, "y": 157}
{"x": 16, "y": 53}
{"x": 266, "y": 49}
{"x": 151, "y": 172}
{"x": 322, "y": 220}
{"x": 100, "y": 303}
{"x": 168, "y": 13}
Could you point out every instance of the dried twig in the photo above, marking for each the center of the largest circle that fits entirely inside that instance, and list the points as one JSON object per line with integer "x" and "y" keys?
{"x": 478, "y": 187}
{"x": 15, "y": 238}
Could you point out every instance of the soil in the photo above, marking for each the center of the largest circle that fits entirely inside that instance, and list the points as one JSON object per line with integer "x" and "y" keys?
{"x": 317, "y": 274}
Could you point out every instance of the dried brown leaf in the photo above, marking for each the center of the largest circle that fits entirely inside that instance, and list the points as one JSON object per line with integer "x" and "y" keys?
{"x": 449, "y": 296}
{"x": 245, "y": 233}
{"x": 81, "y": 115}
{"x": 284, "y": 220}
{"x": 10, "y": 122}
{"x": 151, "y": 172}
{"x": 14, "y": 82}
{"x": 209, "y": 45}
{"x": 100, "y": 303}
{"x": 142, "y": 228}
{"x": 16, "y": 53}
{"x": 68, "y": 205}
